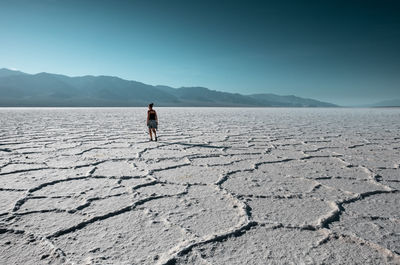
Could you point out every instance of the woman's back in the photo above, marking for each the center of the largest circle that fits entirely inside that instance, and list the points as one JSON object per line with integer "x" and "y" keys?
{"x": 152, "y": 114}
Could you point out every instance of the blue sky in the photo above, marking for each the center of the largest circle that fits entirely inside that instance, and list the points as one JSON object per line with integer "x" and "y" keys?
{"x": 344, "y": 52}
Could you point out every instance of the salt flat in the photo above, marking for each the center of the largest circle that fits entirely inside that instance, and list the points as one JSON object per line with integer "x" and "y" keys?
{"x": 221, "y": 186}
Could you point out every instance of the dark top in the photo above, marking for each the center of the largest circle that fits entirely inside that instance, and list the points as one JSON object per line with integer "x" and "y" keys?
{"x": 152, "y": 115}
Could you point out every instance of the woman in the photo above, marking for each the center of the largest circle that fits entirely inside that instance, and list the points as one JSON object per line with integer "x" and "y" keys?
{"x": 152, "y": 122}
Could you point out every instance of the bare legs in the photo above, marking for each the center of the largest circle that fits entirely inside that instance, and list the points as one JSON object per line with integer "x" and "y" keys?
{"x": 155, "y": 134}
{"x": 151, "y": 131}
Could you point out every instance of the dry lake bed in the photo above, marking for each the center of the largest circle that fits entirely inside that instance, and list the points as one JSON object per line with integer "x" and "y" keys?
{"x": 221, "y": 186}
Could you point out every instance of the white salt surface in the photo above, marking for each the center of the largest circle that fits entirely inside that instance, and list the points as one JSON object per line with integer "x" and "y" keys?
{"x": 221, "y": 186}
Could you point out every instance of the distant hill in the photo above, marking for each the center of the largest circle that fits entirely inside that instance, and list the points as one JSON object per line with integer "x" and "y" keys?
{"x": 388, "y": 103}
{"x": 289, "y": 101}
{"x": 7, "y": 72}
{"x": 18, "y": 89}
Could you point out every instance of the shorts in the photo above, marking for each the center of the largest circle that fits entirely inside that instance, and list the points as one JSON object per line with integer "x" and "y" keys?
{"x": 152, "y": 124}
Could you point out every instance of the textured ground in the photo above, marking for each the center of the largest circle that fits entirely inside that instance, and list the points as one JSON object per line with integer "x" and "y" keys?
{"x": 222, "y": 186}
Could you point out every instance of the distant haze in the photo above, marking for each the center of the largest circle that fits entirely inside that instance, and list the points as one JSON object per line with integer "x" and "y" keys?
{"x": 18, "y": 89}
{"x": 344, "y": 52}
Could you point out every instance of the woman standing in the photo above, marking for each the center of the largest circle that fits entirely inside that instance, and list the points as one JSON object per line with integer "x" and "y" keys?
{"x": 152, "y": 122}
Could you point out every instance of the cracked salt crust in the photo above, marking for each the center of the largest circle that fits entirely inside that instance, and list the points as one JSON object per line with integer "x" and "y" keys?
{"x": 300, "y": 186}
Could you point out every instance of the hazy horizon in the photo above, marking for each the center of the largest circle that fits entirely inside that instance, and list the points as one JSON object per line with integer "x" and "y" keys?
{"x": 343, "y": 52}
{"x": 369, "y": 104}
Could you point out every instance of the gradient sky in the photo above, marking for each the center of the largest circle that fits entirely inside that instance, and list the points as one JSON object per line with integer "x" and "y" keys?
{"x": 344, "y": 52}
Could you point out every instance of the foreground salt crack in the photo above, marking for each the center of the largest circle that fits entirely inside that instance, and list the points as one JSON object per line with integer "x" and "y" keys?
{"x": 302, "y": 186}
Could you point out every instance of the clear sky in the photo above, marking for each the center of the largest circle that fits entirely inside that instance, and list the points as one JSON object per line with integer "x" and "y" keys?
{"x": 345, "y": 52}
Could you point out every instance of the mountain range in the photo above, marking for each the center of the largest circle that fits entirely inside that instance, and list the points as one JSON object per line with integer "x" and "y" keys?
{"x": 388, "y": 103}
{"x": 18, "y": 89}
